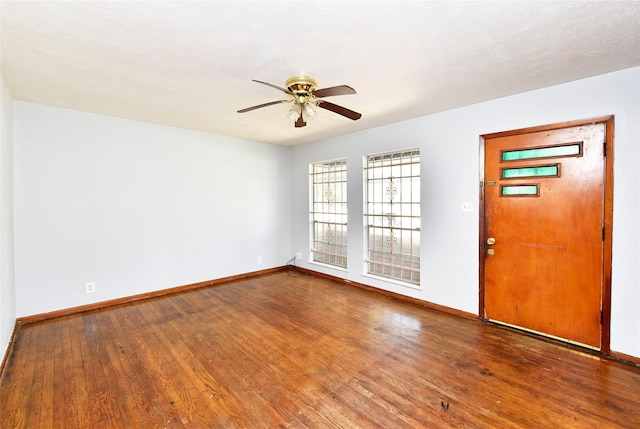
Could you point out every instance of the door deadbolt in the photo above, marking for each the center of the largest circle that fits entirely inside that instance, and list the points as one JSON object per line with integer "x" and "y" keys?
{"x": 491, "y": 252}
{"x": 491, "y": 241}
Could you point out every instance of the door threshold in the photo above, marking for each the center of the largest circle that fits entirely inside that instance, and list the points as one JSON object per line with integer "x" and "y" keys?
{"x": 542, "y": 334}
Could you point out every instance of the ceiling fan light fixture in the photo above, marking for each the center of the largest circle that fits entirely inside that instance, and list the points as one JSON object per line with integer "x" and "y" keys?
{"x": 309, "y": 112}
{"x": 294, "y": 112}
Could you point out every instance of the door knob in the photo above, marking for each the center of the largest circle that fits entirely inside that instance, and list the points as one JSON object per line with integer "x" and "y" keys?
{"x": 491, "y": 252}
{"x": 491, "y": 241}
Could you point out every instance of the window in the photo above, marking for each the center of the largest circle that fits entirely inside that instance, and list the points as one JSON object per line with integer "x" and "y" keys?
{"x": 329, "y": 212}
{"x": 393, "y": 215}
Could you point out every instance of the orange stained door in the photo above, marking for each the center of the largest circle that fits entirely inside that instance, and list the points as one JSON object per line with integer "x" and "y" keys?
{"x": 543, "y": 263}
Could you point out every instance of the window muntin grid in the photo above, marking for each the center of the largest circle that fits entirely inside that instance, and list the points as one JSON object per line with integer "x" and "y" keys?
{"x": 393, "y": 215}
{"x": 329, "y": 212}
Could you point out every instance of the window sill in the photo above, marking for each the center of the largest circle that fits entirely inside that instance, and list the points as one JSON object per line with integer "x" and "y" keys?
{"x": 333, "y": 267}
{"x": 393, "y": 281}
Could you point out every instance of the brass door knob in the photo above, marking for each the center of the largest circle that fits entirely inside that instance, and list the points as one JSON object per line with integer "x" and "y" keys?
{"x": 491, "y": 241}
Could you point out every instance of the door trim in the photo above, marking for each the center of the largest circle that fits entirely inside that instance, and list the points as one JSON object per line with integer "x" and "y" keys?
{"x": 608, "y": 121}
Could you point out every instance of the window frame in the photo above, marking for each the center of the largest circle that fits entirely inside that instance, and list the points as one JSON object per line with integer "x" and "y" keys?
{"x": 331, "y": 248}
{"x": 392, "y": 250}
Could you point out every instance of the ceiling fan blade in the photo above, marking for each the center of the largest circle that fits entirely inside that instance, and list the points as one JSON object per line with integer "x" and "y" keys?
{"x": 286, "y": 91}
{"x": 300, "y": 122}
{"x": 340, "y": 110}
{"x": 271, "y": 103}
{"x": 334, "y": 90}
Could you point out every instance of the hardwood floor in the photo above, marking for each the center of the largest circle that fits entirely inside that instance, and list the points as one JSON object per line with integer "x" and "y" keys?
{"x": 302, "y": 352}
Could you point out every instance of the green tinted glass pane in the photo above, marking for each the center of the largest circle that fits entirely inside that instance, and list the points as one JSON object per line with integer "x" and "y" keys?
{"x": 520, "y": 190}
{"x": 543, "y": 152}
{"x": 547, "y": 170}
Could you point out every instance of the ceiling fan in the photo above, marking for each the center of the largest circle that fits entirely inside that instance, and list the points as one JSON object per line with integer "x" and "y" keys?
{"x": 305, "y": 97}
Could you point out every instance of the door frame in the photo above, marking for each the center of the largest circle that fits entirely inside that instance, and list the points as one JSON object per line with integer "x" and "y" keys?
{"x": 608, "y": 121}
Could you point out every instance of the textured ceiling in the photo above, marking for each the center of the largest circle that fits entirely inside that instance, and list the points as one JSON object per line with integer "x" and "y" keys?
{"x": 190, "y": 64}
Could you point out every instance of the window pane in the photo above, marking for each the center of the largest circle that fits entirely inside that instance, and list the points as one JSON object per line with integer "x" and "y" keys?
{"x": 520, "y": 190}
{"x": 329, "y": 212}
{"x": 544, "y": 152}
{"x": 393, "y": 215}
{"x": 546, "y": 170}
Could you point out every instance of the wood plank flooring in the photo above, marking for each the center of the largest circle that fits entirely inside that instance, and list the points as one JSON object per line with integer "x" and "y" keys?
{"x": 283, "y": 351}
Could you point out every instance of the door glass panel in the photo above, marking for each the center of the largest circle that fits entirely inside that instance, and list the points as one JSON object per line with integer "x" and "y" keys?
{"x": 519, "y": 190}
{"x": 545, "y": 170}
{"x": 573, "y": 149}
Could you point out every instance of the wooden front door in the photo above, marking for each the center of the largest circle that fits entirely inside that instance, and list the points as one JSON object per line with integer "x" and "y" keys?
{"x": 543, "y": 231}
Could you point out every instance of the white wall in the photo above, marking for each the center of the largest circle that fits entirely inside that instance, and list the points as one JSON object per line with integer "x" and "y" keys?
{"x": 449, "y": 145}
{"x": 7, "y": 283}
{"x": 136, "y": 207}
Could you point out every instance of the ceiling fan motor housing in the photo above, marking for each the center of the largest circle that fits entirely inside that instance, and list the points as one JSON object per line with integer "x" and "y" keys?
{"x": 302, "y": 87}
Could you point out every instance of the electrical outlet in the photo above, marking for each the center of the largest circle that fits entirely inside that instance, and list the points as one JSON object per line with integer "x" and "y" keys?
{"x": 467, "y": 206}
{"x": 90, "y": 287}
{"x": 299, "y": 255}
{"x": 259, "y": 259}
